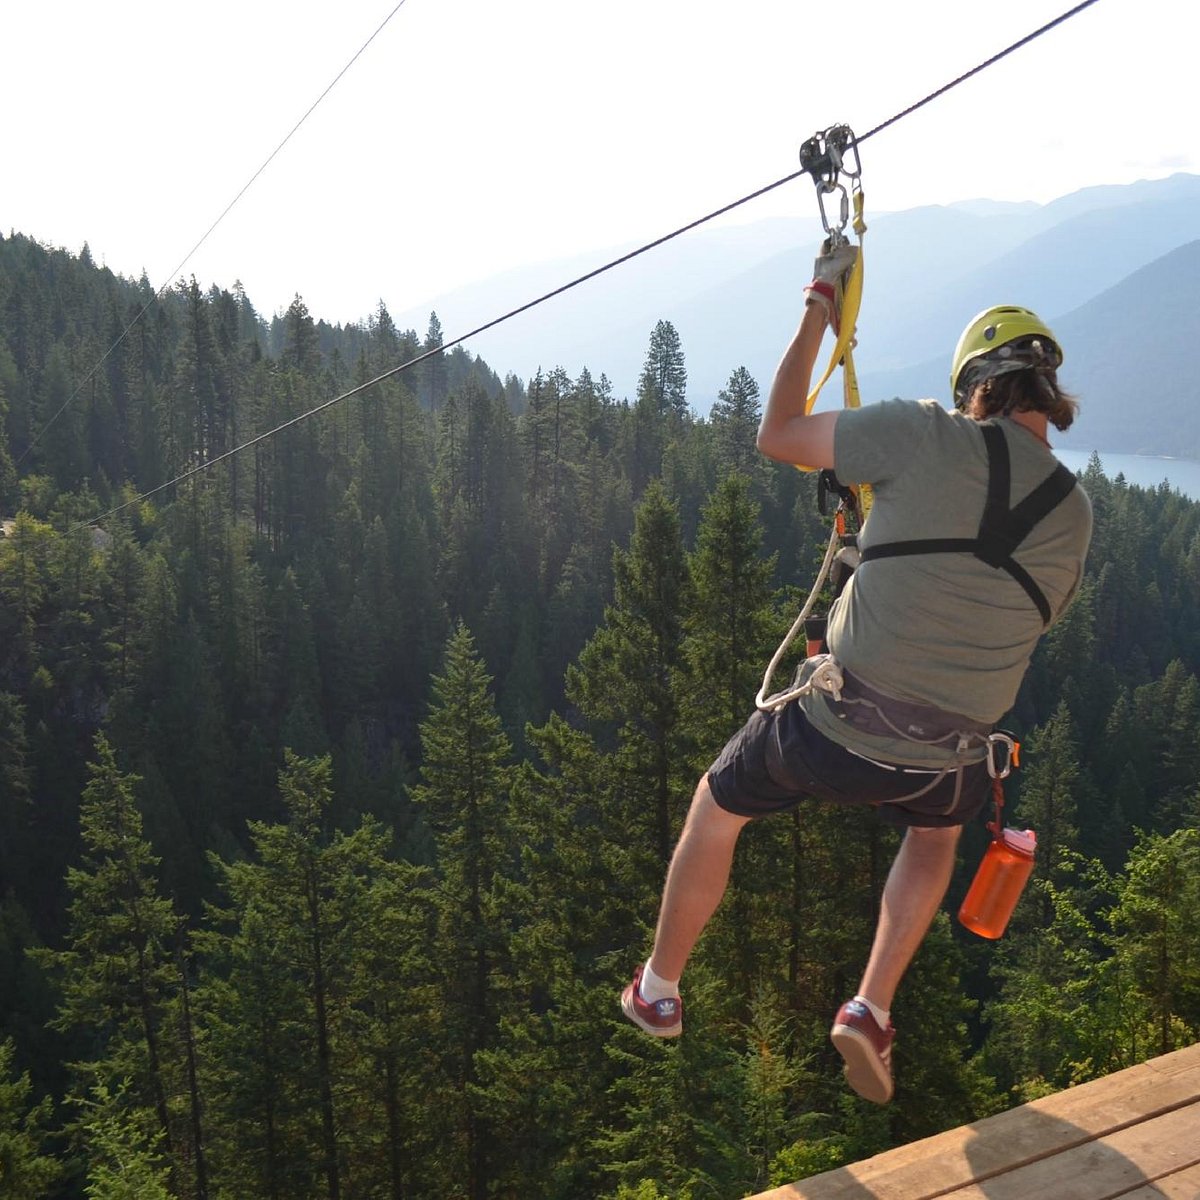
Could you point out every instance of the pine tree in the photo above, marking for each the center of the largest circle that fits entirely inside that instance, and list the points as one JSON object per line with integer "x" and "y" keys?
{"x": 24, "y": 577}
{"x": 62, "y": 449}
{"x": 1050, "y": 789}
{"x": 433, "y": 370}
{"x": 1153, "y": 924}
{"x": 730, "y": 630}
{"x": 279, "y": 1018}
{"x": 662, "y": 386}
{"x": 126, "y": 570}
{"x": 731, "y": 625}
{"x": 116, "y": 971}
{"x": 16, "y": 797}
{"x": 661, "y": 401}
{"x": 26, "y": 1172}
{"x": 197, "y": 394}
{"x": 8, "y": 472}
{"x": 124, "y": 1163}
{"x": 293, "y": 670}
{"x": 1054, "y": 1019}
{"x": 464, "y": 797}
{"x": 393, "y": 991}
{"x": 735, "y": 418}
{"x": 536, "y": 436}
{"x": 627, "y": 675}
{"x": 301, "y": 350}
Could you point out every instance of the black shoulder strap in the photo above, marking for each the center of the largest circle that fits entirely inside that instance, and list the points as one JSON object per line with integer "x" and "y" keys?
{"x": 1002, "y": 529}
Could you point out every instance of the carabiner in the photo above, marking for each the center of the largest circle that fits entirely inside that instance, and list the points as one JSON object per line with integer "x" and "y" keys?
{"x": 837, "y": 236}
{"x": 842, "y": 138}
{"x": 1012, "y": 754}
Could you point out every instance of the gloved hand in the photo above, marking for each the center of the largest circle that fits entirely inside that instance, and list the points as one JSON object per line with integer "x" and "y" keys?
{"x": 830, "y": 272}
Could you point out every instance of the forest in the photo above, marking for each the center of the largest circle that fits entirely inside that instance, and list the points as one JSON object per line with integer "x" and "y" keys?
{"x": 337, "y": 782}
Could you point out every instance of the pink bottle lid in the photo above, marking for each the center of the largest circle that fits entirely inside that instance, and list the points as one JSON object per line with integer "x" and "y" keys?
{"x": 1024, "y": 841}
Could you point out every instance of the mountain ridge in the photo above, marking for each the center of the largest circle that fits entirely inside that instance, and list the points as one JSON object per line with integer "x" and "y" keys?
{"x": 734, "y": 292}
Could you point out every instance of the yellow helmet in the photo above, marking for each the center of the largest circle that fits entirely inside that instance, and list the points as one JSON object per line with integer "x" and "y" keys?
{"x": 1000, "y": 339}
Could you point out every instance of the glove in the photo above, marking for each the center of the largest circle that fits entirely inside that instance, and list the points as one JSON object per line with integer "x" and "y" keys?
{"x": 830, "y": 272}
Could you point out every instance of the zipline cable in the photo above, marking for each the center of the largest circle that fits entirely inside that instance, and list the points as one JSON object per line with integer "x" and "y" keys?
{"x": 420, "y": 358}
{"x": 1029, "y": 37}
{"x": 207, "y": 233}
{"x": 566, "y": 287}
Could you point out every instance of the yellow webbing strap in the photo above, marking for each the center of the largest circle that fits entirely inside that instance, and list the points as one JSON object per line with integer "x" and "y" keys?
{"x": 843, "y": 350}
{"x": 851, "y": 302}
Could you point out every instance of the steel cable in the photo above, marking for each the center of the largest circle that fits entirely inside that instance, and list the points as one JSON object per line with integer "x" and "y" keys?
{"x": 204, "y": 238}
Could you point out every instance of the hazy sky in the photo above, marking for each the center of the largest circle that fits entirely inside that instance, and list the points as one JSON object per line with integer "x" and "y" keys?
{"x": 474, "y": 135}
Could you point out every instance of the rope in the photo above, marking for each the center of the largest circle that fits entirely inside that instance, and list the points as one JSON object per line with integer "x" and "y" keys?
{"x": 616, "y": 262}
{"x": 766, "y": 702}
{"x": 207, "y": 233}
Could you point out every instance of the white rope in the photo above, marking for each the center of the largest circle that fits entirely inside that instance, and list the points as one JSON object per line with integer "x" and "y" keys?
{"x": 768, "y": 703}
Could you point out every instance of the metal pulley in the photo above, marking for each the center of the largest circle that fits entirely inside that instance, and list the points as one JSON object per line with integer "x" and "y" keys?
{"x": 827, "y": 156}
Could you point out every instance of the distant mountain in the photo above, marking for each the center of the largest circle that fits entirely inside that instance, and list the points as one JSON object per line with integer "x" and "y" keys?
{"x": 1052, "y": 272}
{"x": 735, "y": 293}
{"x": 1130, "y": 357}
{"x": 1132, "y": 361}
{"x": 605, "y": 323}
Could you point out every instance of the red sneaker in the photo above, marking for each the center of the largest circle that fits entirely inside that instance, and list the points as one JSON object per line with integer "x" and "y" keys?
{"x": 663, "y": 1018}
{"x": 867, "y": 1050}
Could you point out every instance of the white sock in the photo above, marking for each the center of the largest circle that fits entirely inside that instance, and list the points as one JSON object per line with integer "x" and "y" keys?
{"x": 654, "y": 987}
{"x": 882, "y": 1016}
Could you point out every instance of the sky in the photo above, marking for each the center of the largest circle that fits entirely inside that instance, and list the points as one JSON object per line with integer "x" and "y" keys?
{"x": 473, "y": 136}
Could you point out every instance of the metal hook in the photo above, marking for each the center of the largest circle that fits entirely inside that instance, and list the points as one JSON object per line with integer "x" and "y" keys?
{"x": 837, "y": 235}
{"x": 824, "y": 157}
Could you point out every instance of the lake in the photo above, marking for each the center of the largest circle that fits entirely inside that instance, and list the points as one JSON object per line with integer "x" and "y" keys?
{"x": 1142, "y": 469}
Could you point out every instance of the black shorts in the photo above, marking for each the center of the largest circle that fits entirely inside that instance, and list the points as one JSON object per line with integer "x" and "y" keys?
{"x": 778, "y": 760}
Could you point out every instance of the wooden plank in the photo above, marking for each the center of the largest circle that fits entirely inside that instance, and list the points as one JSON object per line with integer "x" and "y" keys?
{"x": 1104, "y": 1168}
{"x": 1179, "y": 1185}
{"x": 1177, "y": 1062}
{"x": 939, "y": 1164}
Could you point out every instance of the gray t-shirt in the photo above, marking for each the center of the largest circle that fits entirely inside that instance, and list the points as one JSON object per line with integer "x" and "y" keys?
{"x": 943, "y": 629}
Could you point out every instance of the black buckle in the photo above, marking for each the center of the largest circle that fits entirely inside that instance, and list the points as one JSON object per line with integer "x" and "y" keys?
{"x": 829, "y": 484}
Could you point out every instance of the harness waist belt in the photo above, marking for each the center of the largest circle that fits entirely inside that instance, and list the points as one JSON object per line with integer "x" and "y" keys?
{"x": 872, "y": 711}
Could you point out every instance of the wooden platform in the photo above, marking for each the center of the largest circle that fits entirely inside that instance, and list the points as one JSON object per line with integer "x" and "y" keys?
{"x": 1135, "y": 1134}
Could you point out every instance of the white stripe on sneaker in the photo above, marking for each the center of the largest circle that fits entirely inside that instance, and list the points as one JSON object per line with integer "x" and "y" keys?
{"x": 867, "y": 1071}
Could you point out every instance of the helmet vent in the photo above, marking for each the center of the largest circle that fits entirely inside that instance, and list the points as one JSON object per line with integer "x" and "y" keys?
{"x": 989, "y": 333}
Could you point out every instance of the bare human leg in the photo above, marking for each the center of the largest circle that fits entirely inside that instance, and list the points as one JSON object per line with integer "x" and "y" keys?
{"x": 696, "y": 881}
{"x": 912, "y": 895}
{"x": 915, "y": 887}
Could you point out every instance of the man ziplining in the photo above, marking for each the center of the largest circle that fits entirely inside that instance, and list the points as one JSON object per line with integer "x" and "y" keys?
{"x": 975, "y": 545}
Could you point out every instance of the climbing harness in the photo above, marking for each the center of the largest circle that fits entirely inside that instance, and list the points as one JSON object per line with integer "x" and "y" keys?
{"x": 1002, "y": 529}
{"x": 871, "y": 711}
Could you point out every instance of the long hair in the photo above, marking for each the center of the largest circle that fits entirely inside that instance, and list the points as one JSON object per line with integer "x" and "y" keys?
{"x": 1032, "y": 389}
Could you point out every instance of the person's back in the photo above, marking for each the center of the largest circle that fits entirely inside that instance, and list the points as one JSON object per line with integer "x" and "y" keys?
{"x": 946, "y": 629}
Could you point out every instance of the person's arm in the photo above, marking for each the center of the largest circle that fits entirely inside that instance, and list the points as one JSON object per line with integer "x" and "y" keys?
{"x": 785, "y": 433}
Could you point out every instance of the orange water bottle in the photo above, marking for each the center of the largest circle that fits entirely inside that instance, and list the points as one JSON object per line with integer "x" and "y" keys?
{"x": 998, "y": 883}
